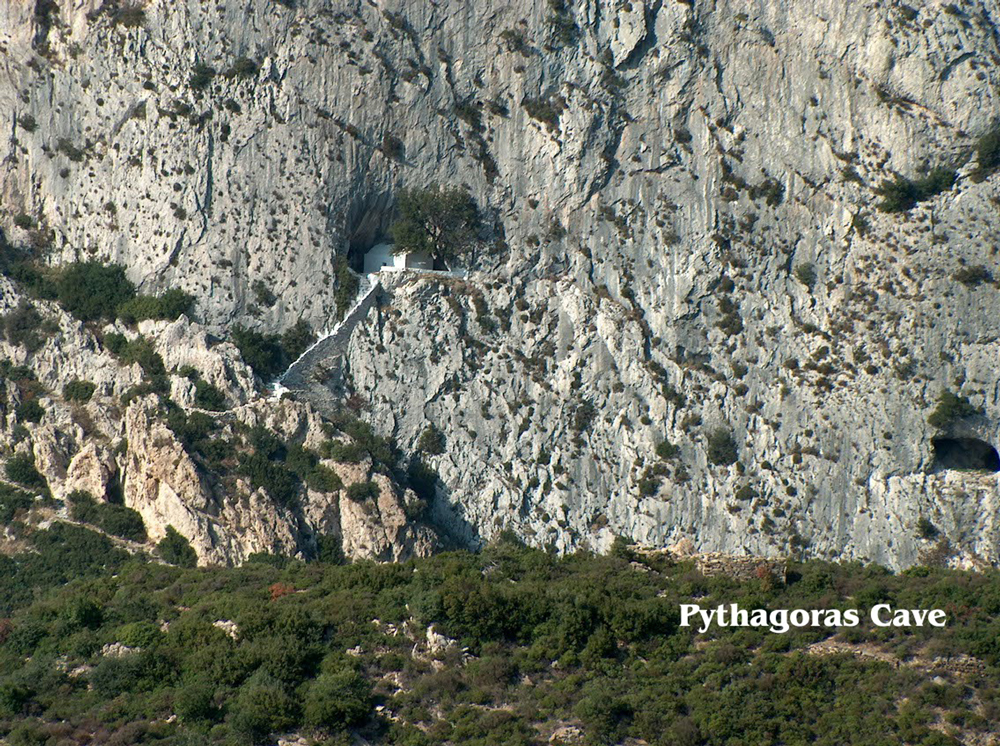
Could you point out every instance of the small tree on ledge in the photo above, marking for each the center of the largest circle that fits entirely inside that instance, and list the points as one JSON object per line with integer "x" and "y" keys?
{"x": 444, "y": 222}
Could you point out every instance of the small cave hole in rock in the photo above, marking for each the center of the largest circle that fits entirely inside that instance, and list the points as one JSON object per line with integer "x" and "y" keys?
{"x": 965, "y": 453}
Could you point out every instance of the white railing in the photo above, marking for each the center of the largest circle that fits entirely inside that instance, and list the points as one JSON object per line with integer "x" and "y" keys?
{"x": 370, "y": 285}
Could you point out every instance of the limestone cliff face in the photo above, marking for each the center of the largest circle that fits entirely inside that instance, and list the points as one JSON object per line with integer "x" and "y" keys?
{"x": 226, "y": 523}
{"x": 684, "y": 239}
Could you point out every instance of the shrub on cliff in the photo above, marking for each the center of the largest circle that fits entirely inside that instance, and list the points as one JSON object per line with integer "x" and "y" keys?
{"x": 444, "y": 222}
{"x": 176, "y": 550}
{"x": 988, "y": 153}
{"x": 79, "y": 391}
{"x": 262, "y": 352}
{"x": 296, "y": 339}
{"x": 116, "y": 520}
{"x": 20, "y": 468}
{"x": 25, "y": 326}
{"x": 92, "y": 291}
{"x": 30, "y": 411}
{"x": 168, "y": 306}
{"x": 721, "y": 447}
{"x": 208, "y": 396}
{"x": 431, "y": 441}
{"x": 950, "y": 408}
{"x": 901, "y": 194}
{"x": 361, "y": 491}
{"x": 277, "y": 480}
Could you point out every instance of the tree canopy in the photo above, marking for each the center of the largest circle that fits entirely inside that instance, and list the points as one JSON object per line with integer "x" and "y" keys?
{"x": 443, "y": 221}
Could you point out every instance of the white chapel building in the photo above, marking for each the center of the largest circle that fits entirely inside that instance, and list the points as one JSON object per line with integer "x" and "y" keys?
{"x": 381, "y": 259}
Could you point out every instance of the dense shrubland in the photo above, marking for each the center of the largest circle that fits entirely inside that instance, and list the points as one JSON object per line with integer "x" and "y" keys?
{"x": 582, "y": 640}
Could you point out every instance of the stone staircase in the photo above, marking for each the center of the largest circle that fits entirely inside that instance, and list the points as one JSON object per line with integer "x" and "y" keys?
{"x": 318, "y": 371}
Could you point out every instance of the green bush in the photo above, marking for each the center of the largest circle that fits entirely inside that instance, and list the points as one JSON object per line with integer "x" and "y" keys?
{"x": 329, "y": 549}
{"x": 546, "y": 109}
{"x": 323, "y": 479}
{"x": 444, "y": 222}
{"x": 382, "y": 451}
{"x": 262, "y": 709}
{"x": 926, "y": 529}
{"x": 423, "y": 480}
{"x": 296, "y": 339}
{"x": 202, "y": 76}
{"x": 169, "y": 307}
{"x": 988, "y": 150}
{"x": 92, "y": 291}
{"x": 343, "y": 452}
{"x": 722, "y": 448}
{"x": 13, "y": 501}
{"x": 431, "y": 440}
{"x": 901, "y": 194}
{"x": 25, "y": 326}
{"x": 950, "y": 409}
{"x": 278, "y": 481}
{"x": 116, "y": 520}
{"x": 77, "y": 390}
{"x": 30, "y": 410}
{"x": 806, "y": 274}
{"x": 347, "y": 284}
{"x": 973, "y": 276}
{"x": 337, "y": 701}
{"x": 362, "y": 491}
{"x": 20, "y": 468}
{"x": 115, "y": 343}
{"x": 208, "y": 396}
{"x": 139, "y": 350}
{"x": 127, "y": 13}
{"x": 195, "y": 702}
{"x": 262, "y": 352}
{"x": 666, "y": 450}
{"x": 175, "y": 549}
{"x": 243, "y": 67}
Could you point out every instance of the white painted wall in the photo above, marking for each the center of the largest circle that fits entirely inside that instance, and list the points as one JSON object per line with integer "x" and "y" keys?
{"x": 380, "y": 259}
{"x": 379, "y": 256}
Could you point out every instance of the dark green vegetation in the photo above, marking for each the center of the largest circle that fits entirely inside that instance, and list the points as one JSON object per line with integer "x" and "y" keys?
{"x": 722, "y": 448}
{"x": 901, "y": 194}
{"x": 581, "y": 640}
{"x": 20, "y": 468}
{"x": 77, "y": 390}
{"x": 987, "y": 154}
{"x": 90, "y": 291}
{"x": 25, "y": 326}
{"x": 431, "y": 440}
{"x": 176, "y": 550}
{"x": 271, "y": 354}
{"x": 347, "y": 286}
{"x": 444, "y": 222}
{"x": 950, "y": 409}
{"x": 169, "y": 306}
{"x": 116, "y": 520}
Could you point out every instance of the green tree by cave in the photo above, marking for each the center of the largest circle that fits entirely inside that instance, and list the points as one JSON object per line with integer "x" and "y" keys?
{"x": 444, "y": 222}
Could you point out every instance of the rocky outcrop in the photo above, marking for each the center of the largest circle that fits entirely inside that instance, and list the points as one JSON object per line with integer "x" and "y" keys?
{"x": 227, "y": 522}
{"x": 684, "y": 242}
{"x": 162, "y": 483}
{"x": 182, "y": 344}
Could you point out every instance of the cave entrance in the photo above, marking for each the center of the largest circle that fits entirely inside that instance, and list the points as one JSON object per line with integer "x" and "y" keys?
{"x": 965, "y": 453}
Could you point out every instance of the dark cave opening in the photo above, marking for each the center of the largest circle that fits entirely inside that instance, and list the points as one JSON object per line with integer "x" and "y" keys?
{"x": 965, "y": 453}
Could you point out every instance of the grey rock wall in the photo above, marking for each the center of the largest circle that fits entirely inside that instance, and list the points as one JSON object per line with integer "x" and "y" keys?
{"x": 646, "y": 285}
